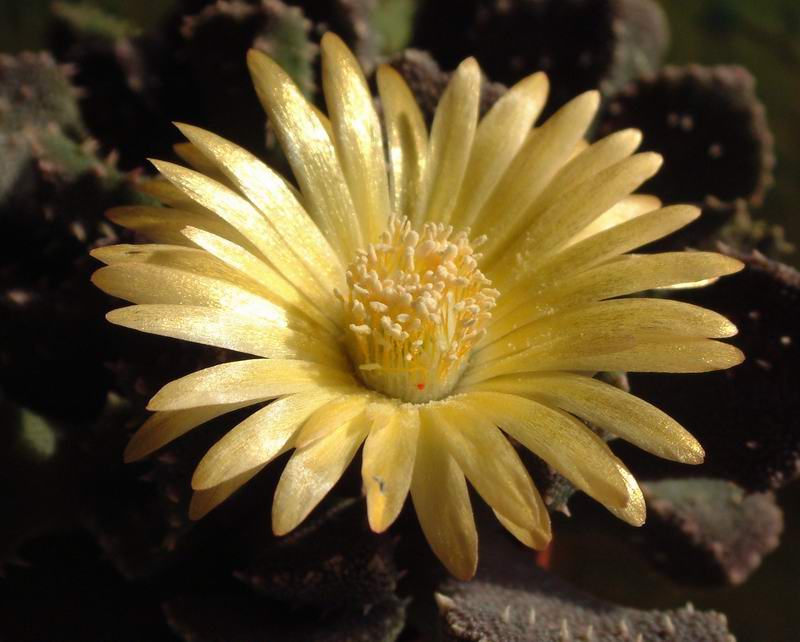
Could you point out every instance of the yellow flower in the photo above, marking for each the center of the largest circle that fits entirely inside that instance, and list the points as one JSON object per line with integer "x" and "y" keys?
{"x": 374, "y": 321}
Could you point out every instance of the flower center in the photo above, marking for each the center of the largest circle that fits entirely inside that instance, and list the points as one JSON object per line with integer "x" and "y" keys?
{"x": 417, "y": 306}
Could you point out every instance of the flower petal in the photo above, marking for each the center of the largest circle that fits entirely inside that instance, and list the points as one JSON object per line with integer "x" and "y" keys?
{"x": 272, "y": 196}
{"x": 492, "y": 465}
{"x": 559, "y": 439}
{"x": 311, "y": 153}
{"x": 499, "y": 136}
{"x": 407, "y": 139}
{"x": 163, "y": 427}
{"x": 250, "y": 222}
{"x": 441, "y": 500}
{"x": 547, "y": 149}
{"x": 225, "y": 329}
{"x": 620, "y": 413}
{"x": 388, "y": 462}
{"x": 204, "y": 501}
{"x": 452, "y": 132}
{"x": 245, "y": 381}
{"x": 356, "y": 134}
{"x": 312, "y": 472}
{"x": 627, "y": 209}
{"x": 258, "y": 439}
{"x": 330, "y": 417}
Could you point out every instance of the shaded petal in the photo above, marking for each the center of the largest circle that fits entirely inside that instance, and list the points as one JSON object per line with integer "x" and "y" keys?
{"x": 196, "y": 159}
{"x": 357, "y": 135}
{"x": 331, "y": 416}
{"x": 559, "y": 439}
{"x": 441, "y": 500}
{"x": 224, "y": 329}
{"x": 499, "y": 136}
{"x": 407, "y": 139}
{"x": 270, "y": 193}
{"x": 452, "y": 132}
{"x": 250, "y": 222}
{"x": 620, "y": 413}
{"x": 312, "y": 472}
{"x": 163, "y": 427}
{"x": 273, "y": 284}
{"x": 574, "y": 211}
{"x": 204, "y": 501}
{"x": 258, "y": 439}
{"x": 245, "y": 381}
{"x": 491, "y": 465}
{"x": 547, "y": 149}
{"x": 626, "y": 275}
{"x": 311, "y": 153}
{"x": 388, "y": 462}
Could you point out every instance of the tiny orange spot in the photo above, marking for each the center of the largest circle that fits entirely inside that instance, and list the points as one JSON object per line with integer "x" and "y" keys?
{"x": 421, "y": 386}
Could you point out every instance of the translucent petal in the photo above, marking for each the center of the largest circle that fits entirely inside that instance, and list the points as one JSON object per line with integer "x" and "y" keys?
{"x": 452, "y": 132}
{"x": 163, "y": 427}
{"x": 330, "y": 417}
{"x": 547, "y": 150}
{"x": 272, "y": 196}
{"x": 407, "y": 139}
{"x": 258, "y": 439}
{"x": 167, "y": 194}
{"x": 597, "y": 157}
{"x": 491, "y": 465}
{"x": 164, "y": 224}
{"x": 311, "y": 153}
{"x": 559, "y": 439}
{"x": 627, "y": 209}
{"x": 625, "y": 275}
{"x": 577, "y": 208}
{"x": 312, "y": 472}
{"x": 204, "y": 501}
{"x": 499, "y": 136}
{"x": 357, "y": 134}
{"x": 247, "y": 380}
{"x": 225, "y": 329}
{"x": 620, "y": 413}
{"x": 634, "y": 512}
{"x": 250, "y": 222}
{"x": 441, "y": 500}
{"x": 586, "y": 254}
{"x": 388, "y": 462}
{"x": 196, "y": 159}
{"x": 273, "y": 284}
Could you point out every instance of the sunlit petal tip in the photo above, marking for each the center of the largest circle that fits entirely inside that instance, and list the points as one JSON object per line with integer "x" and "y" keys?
{"x": 692, "y": 453}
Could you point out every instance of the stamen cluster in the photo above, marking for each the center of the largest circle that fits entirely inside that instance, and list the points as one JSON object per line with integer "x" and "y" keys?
{"x": 417, "y": 306}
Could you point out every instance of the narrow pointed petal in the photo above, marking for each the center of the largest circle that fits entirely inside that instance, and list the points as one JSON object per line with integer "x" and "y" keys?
{"x": 312, "y": 472}
{"x": 626, "y": 210}
{"x": 164, "y": 427}
{"x": 452, "y": 133}
{"x": 196, "y": 159}
{"x": 164, "y": 224}
{"x": 407, "y": 139}
{"x": 577, "y": 208}
{"x": 272, "y": 196}
{"x": 635, "y": 511}
{"x": 559, "y": 439}
{"x": 388, "y": 463}
{"x": 356, "y": 134}
{"x": 167, "y": 194}
{"x": 594, "y": 159}
{"x": 499, "y": 136}
{"x": 620, "y": 413}
{"x": 441, "y": 500}
{"x": 225, "y": 329}
{"x": 626, "y": 275}
{"x": 501, "y": 479}
{"x": 311, "y": 153}
{"x": 547, "y": 150}
{"x": 331, "y": 416}
{"x": 276, "y": 287}
{"x": 245, "y": 381}
{"x": 257, "y": 440}
{"x": 239, "y": 213}
{"x": 204, "y": 501}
